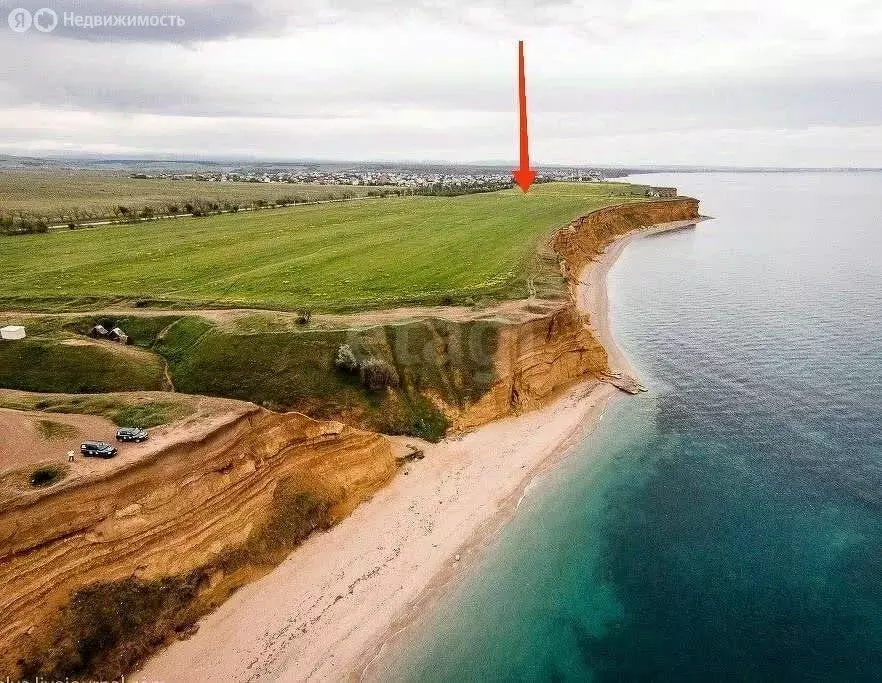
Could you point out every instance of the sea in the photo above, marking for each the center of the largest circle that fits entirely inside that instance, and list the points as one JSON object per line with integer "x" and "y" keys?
{"x": 727, "y": 524}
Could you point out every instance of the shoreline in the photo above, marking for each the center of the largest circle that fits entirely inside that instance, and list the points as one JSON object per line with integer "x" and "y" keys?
{"x": 343, "y": 600}
{"x": 593, "y": 295}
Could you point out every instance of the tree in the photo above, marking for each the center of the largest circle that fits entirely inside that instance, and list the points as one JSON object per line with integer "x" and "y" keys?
{"x": 345, "y": 359}
{"x": 377, "y": 374}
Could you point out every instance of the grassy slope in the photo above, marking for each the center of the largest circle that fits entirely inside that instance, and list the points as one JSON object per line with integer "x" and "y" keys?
{"x": 42, "y": 363}
{"x": 123, "y": 410}
{"x": 46, "y": 365}
{"x": 55, "y": 195}
{"x": 332, "y": 257}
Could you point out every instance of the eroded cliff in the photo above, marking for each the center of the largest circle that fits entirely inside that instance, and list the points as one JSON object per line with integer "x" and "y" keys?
{"x": 210, "y": 514}
{"x": 536, "y": 358}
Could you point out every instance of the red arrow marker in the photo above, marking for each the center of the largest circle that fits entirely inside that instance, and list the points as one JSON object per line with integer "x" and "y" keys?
{"x": 523, "y": 176}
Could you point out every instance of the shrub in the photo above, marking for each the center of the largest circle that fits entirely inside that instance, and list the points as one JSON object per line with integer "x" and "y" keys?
{"x": 107, "y": 627}
{"x": 345, "y": 359}
{"x": 414, "y": 415}
{"x": 377, "y": 374}
{"x": 24, "y": 226}
{"x": 294, "y": 515}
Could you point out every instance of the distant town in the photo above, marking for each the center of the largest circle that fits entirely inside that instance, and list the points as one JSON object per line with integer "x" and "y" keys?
{"x": 412, "y": 179}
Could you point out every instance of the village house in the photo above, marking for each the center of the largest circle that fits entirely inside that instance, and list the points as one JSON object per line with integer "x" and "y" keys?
{"x": 662, "y": 192}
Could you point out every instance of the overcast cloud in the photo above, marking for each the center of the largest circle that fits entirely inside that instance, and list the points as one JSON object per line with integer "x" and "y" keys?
{"x": 635, "y": 82}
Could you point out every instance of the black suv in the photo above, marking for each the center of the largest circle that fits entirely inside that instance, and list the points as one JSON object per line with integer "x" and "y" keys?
{"x": 97, "y": 449}
{"x": 132, "y": 434}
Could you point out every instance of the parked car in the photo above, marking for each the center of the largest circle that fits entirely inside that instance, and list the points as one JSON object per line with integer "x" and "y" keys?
{"x": 132, "y": 434}
{"x": 97, "y": 449}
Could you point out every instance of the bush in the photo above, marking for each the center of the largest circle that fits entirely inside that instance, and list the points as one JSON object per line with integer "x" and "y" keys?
{"x": 24, "y": 226}
{"x": 414, "y": 415}
{"x": 107, "y": 627}
{"x": 377, "y": 374}
{"x": 345, "y": 359}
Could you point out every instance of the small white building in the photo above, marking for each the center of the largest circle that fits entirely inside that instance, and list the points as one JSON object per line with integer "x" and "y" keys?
{"x": 12, "y": 332}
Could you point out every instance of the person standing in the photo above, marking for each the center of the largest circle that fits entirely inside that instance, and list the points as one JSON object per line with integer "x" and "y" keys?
{"x": 70, "y": 456}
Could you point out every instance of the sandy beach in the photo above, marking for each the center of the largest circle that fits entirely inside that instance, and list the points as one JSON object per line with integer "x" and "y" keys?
{"x": 336, "y": 603}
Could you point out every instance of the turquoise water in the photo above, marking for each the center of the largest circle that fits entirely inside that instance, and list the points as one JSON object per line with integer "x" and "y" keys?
{"x": 728, "y": 524}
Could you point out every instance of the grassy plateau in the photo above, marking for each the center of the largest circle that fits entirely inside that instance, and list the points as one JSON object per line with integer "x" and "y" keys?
{"x": 360, "y": 255}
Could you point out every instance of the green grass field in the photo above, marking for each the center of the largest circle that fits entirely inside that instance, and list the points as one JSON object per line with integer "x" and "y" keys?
{"x": 123, "y": 410}
{"x": 361, "y": 255}
{"x": 61, "y": 196}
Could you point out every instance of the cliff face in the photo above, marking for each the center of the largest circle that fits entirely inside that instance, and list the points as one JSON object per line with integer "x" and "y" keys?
{"x": 195, "y": 506}
{"x": 585, "y": 238}
{"x": 536, "y": 358}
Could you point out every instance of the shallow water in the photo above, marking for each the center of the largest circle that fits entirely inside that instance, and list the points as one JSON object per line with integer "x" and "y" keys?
{"x": 728, "y": 524}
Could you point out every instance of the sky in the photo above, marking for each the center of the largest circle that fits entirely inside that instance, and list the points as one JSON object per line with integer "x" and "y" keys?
{"x": 692, "y": 82}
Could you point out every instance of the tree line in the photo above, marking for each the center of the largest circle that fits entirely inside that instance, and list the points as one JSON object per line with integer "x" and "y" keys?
{"x": 22, "y": 225}
{"x": 197, "y": 207}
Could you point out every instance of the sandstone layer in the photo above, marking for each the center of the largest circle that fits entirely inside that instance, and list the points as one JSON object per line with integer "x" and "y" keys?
{"x": 180, "y": 510}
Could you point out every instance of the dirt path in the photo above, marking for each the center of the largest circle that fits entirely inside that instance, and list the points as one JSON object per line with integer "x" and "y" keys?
{"x": 516, "y": 310}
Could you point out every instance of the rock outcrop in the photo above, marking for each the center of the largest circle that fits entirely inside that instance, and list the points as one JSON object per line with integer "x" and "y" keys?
{"x": 186, "y": 508}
